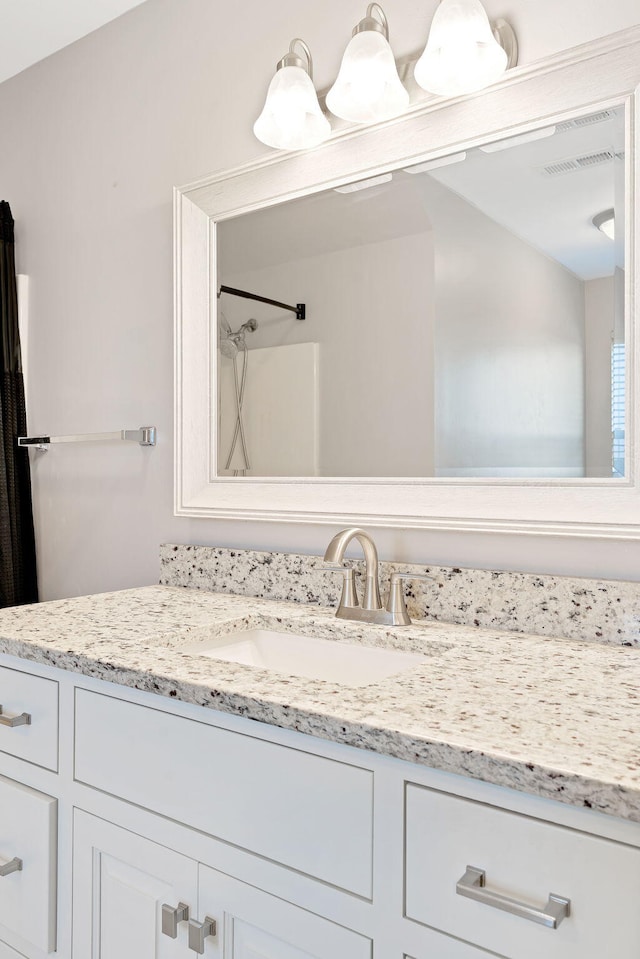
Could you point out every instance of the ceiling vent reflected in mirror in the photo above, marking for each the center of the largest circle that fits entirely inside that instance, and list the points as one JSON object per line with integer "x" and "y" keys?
{"x": 573, "y": 164}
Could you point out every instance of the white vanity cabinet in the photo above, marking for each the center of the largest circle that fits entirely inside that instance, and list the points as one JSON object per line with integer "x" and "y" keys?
{"x": 6, "y": 952}
{"x": 291, "y": 847}
{"x": 251, "y": 924}
{"x": 24, "y": 695}
{"x": 301, "y": 810}
{"x": 28, "y": 816}
{"x": 28, "y": 863}
{"x": 134, "y": 897}
{"x": 121, "y": 881}
{"x": 450, "y": 842}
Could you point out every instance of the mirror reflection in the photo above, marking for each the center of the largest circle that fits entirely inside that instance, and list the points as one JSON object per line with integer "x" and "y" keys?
{"x": 464, "y": 317}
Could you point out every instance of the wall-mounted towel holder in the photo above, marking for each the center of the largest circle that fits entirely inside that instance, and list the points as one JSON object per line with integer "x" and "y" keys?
{"x": 145, "y": 436}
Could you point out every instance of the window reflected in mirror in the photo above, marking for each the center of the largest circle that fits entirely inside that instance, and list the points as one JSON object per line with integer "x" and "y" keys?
{"x": 464, "y": 317}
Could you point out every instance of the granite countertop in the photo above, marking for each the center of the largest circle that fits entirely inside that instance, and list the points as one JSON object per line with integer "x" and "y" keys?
{"x": 554, "y": 718}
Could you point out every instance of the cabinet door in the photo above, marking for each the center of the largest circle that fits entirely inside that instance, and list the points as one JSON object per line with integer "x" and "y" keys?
{"x": 28, "y": 821}
{"x": 121, "y": 881}
{"x": 251, "y": 924}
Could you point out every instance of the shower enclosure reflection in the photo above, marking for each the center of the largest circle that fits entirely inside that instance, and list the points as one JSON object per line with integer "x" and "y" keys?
{"x": 464, "y": 319}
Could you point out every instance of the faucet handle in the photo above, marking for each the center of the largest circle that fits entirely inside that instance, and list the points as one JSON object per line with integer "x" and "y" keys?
{"x": 349, "y": 596}
{"x": 395, "y": 602}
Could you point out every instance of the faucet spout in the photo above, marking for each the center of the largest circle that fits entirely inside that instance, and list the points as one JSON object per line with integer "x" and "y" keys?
{"x": 372, "y": 611}
{"x": 334, "y": 556}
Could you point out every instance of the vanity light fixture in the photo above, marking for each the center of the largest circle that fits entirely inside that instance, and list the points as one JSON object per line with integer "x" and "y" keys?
{"x": 464, "y": 52}
{"x": 606, "y": 223}
{"x": 291, "y": 118}
{"x": 368, "y": 88}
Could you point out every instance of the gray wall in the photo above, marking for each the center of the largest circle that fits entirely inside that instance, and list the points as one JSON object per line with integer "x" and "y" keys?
{"x": 95, "y": 137}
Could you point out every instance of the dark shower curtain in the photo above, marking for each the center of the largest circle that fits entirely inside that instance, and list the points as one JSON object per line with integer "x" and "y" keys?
{"x": 18, "y": 583}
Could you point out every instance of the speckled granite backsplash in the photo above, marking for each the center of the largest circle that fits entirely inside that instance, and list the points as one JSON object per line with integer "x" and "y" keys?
{"x": 599, "y": 611}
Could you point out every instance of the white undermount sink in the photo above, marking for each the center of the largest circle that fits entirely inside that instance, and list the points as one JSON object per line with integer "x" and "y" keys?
{"x": 295, "y": 654}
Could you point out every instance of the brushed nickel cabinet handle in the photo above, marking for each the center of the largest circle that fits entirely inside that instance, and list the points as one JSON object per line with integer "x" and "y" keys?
{"x": 7, "y": 866}
{"x": 472, "y": 885}
{"x": 24, "y": 719}
{"x": 171, "y": 916}
{"x": 198, "y": 932}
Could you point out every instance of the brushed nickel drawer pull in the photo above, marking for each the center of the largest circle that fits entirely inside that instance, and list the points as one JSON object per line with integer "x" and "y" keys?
{"x": 198, "y": 932}
{"x": 24, "y": 719}
{"x": 7, "y": 866}
{"x": 472, "y": 885}
{"x": 171, "y": 916}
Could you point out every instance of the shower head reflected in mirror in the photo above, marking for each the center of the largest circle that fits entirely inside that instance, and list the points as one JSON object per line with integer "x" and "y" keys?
{"x": 228, "y": 347}
{"x": 231, "y": 343}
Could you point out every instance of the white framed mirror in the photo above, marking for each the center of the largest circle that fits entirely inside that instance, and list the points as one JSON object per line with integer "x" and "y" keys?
{"x": 466, "y": 360}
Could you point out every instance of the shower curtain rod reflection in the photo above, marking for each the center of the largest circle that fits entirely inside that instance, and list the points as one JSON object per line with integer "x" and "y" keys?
{"x": 299, "y": 309}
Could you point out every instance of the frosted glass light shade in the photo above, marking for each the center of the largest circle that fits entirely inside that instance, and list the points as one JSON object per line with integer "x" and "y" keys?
{"x": 368, "y": 87}
{"x": 462, "y": 54}
{"x": 291, "y": 118}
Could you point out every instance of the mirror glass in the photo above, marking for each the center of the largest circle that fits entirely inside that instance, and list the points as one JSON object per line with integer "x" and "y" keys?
{"x": 464, "y": 317}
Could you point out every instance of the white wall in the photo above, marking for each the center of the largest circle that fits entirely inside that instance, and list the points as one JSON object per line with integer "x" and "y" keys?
{"x": 95, "y": 138}
{"x": 509, "y": 350}
{"x": 375, "y": 331}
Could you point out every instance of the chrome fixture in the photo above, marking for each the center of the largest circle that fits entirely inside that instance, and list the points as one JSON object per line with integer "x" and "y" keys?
{"x": 234, "y": 342}
{"x": 291, "y": 118}
{"x": 368, "y": 88}
{"x": 145, "y": 436}
{"x": 465, "y": 52}
{"x": 372, "y": 611}
{"x": 231, "y": 344}
{"x": 472, "y": 886}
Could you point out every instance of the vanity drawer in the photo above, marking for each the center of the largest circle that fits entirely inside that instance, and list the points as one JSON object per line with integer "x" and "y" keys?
{"x": 525, "y": 860}
{"x": 28, "y": 821}
{"x": 304, "y": 811}
{"x": 36, "y": 742}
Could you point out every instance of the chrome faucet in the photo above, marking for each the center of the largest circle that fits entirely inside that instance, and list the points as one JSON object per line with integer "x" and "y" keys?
{"x": 372, "y": 611}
